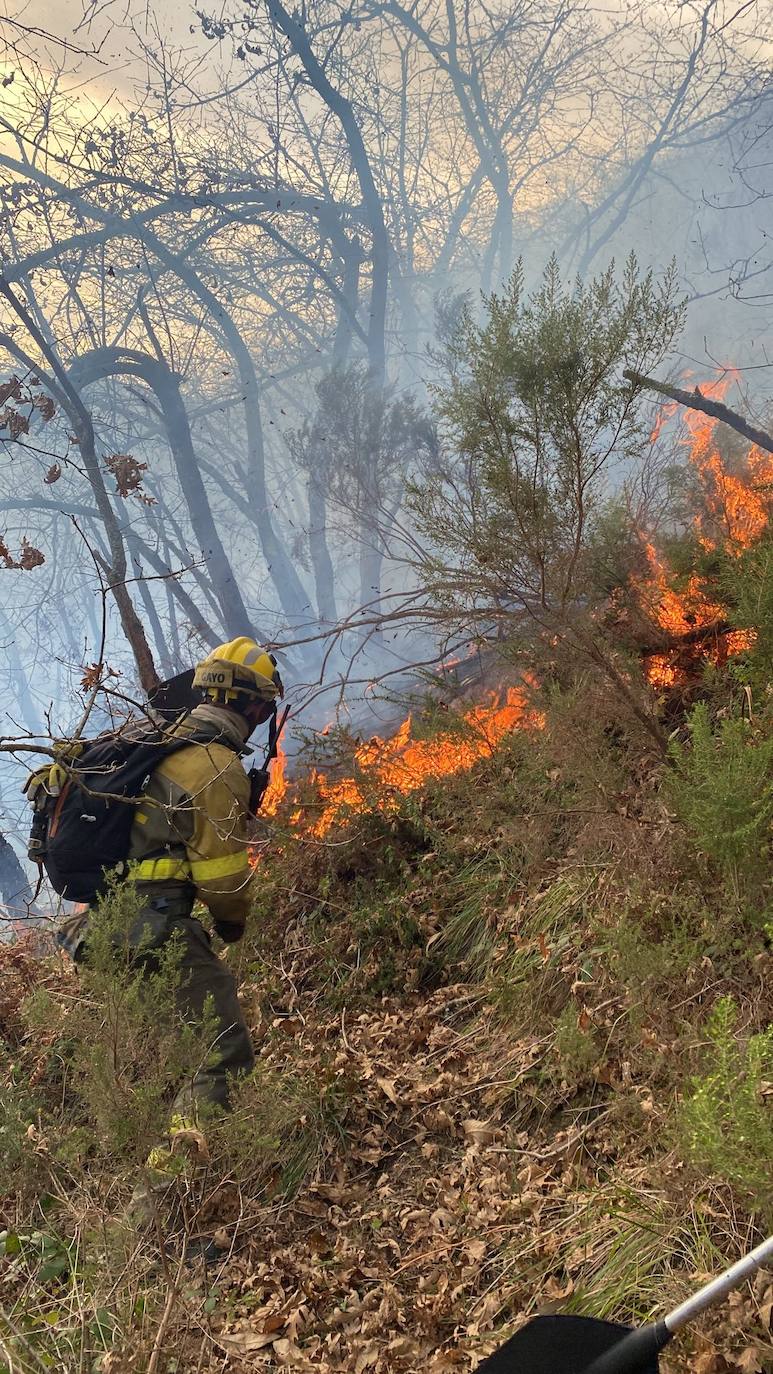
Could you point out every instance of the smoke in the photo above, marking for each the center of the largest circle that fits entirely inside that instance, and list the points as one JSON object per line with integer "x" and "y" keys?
{"x": 245, "y": 245}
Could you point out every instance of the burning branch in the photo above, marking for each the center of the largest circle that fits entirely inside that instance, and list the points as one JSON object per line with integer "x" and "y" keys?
{"x": 695, "y": 400}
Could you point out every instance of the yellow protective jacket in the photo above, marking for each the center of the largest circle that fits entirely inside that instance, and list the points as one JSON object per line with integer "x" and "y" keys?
{"x": 190, "y": 834}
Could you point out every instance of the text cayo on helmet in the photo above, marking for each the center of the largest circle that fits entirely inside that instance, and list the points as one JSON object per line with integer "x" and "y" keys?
{"x": 239, "y": 672}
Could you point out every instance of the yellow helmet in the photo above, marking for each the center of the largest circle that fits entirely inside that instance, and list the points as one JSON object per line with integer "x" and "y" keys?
{"x": 240, "y": 668}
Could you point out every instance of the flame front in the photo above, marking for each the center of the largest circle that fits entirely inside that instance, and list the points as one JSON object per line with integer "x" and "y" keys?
{"x": 736, "y": 513}
{"x": 402, "y": 764}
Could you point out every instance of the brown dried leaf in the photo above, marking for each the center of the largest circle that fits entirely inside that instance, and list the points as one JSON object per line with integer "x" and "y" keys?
{"x": 13, "y": 421}
{"x": 479, "y": 1132}
{"x": 30, "y": 556}
{"x": 242, "y": 1342}
{"x": 53, "y": 474}
{"x": 10, "y": 390}
{"x": 44, "y": 406}
{"x": 366, "y": 1357}
{"x": 286, "y": 1352}
{"x": 127, "y": 472}
{"x": 92, "y": 676}
{"x": 387, "y": 1087}
{"x": 750, "y": 1360}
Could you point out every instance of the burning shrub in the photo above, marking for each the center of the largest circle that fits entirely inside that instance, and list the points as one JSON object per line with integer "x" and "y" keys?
{"x": 535, "y": 415}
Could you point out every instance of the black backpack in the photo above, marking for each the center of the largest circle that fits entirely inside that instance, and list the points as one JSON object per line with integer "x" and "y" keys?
{"x": 84, "y": 807}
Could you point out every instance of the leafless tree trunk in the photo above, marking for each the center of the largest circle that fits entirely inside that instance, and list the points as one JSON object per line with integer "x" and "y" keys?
{"x": 114, "y": 362}
{"x": 62, "y": 390}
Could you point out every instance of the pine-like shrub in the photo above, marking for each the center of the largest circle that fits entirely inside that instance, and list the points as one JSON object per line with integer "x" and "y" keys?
{"x": 727, "y": 1119}
{"x": 722, "y": 790}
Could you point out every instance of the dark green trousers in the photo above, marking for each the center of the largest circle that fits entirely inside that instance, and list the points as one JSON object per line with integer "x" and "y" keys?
{"x": 203, "y": 976}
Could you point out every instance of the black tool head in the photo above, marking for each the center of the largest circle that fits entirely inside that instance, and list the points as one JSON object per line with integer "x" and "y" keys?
{"x": 571, "y": 1345}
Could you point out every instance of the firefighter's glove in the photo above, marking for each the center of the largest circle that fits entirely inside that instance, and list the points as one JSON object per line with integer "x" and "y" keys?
{"x": 229, "y": 931}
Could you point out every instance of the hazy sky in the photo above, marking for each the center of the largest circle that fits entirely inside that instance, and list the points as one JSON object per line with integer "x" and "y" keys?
{"x": 104, "y": 28}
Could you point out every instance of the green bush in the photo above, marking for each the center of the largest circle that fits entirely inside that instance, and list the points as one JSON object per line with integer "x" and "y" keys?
{"x": 125, "y": 1046}
{"x": 747, "y": 584}
{"x": 726, "y": 1121}
{"x": 722, "y": 789}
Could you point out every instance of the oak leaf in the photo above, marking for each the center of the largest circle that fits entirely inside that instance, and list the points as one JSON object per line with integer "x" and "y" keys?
{"x": 45, "y": 407}
{"x": 10, "y": 390}
{"x": 128, "y": 474}
{"x": 11, "y": 420}
{"x": 30, "y": 557}
{"x": 92, "y": 676}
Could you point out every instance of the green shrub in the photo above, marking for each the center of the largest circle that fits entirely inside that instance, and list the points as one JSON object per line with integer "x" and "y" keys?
{"x": 727, "y": 1122}
{"x": 747, "y": 583}
{"x": 722, "y": 789}
{"x": 575, "y": 1047}
{"x": 281, "y": 1126}
{"x": 126, "y": 1047}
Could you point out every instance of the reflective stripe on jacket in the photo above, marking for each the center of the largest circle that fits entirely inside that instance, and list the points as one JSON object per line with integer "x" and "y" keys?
{"x": 192, "y": 825}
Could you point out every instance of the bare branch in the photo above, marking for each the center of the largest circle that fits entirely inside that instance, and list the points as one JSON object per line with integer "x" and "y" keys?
{"x": 695, "y": 400}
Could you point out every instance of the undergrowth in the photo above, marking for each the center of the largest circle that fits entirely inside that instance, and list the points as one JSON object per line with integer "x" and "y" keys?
{"x": 587, "y": 921}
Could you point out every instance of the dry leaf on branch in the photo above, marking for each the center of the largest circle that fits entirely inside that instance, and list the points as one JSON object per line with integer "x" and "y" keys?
{"x": 92, "y": 676}
{"x": 30, "y": 556}
{"x": 15, "y": 423}
{"x": 44, "y": 406}
{"x": 128, "y": 472}
{"x": 10, "y": 390}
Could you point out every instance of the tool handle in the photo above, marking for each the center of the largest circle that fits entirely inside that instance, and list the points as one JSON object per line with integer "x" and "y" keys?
{"x": 720, "y": 1287}
{"x": 637, "y": 1351}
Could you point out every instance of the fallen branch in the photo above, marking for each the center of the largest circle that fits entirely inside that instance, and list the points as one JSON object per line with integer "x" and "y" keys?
{"x": 695, "y": 400}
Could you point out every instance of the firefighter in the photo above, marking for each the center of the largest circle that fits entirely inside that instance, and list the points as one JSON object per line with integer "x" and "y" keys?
{"x": 188, "y": 843}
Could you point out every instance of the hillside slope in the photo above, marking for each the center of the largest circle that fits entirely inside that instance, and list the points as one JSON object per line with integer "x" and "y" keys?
{"x": 513, "y": 1057}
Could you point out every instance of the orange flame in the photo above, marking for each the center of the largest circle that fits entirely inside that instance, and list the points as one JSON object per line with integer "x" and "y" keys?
{"x": 403, "y": 764}
{"x": 676, "y": 612}
{"x": 277, "y": 787}
{"x": 737, "y": 509}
